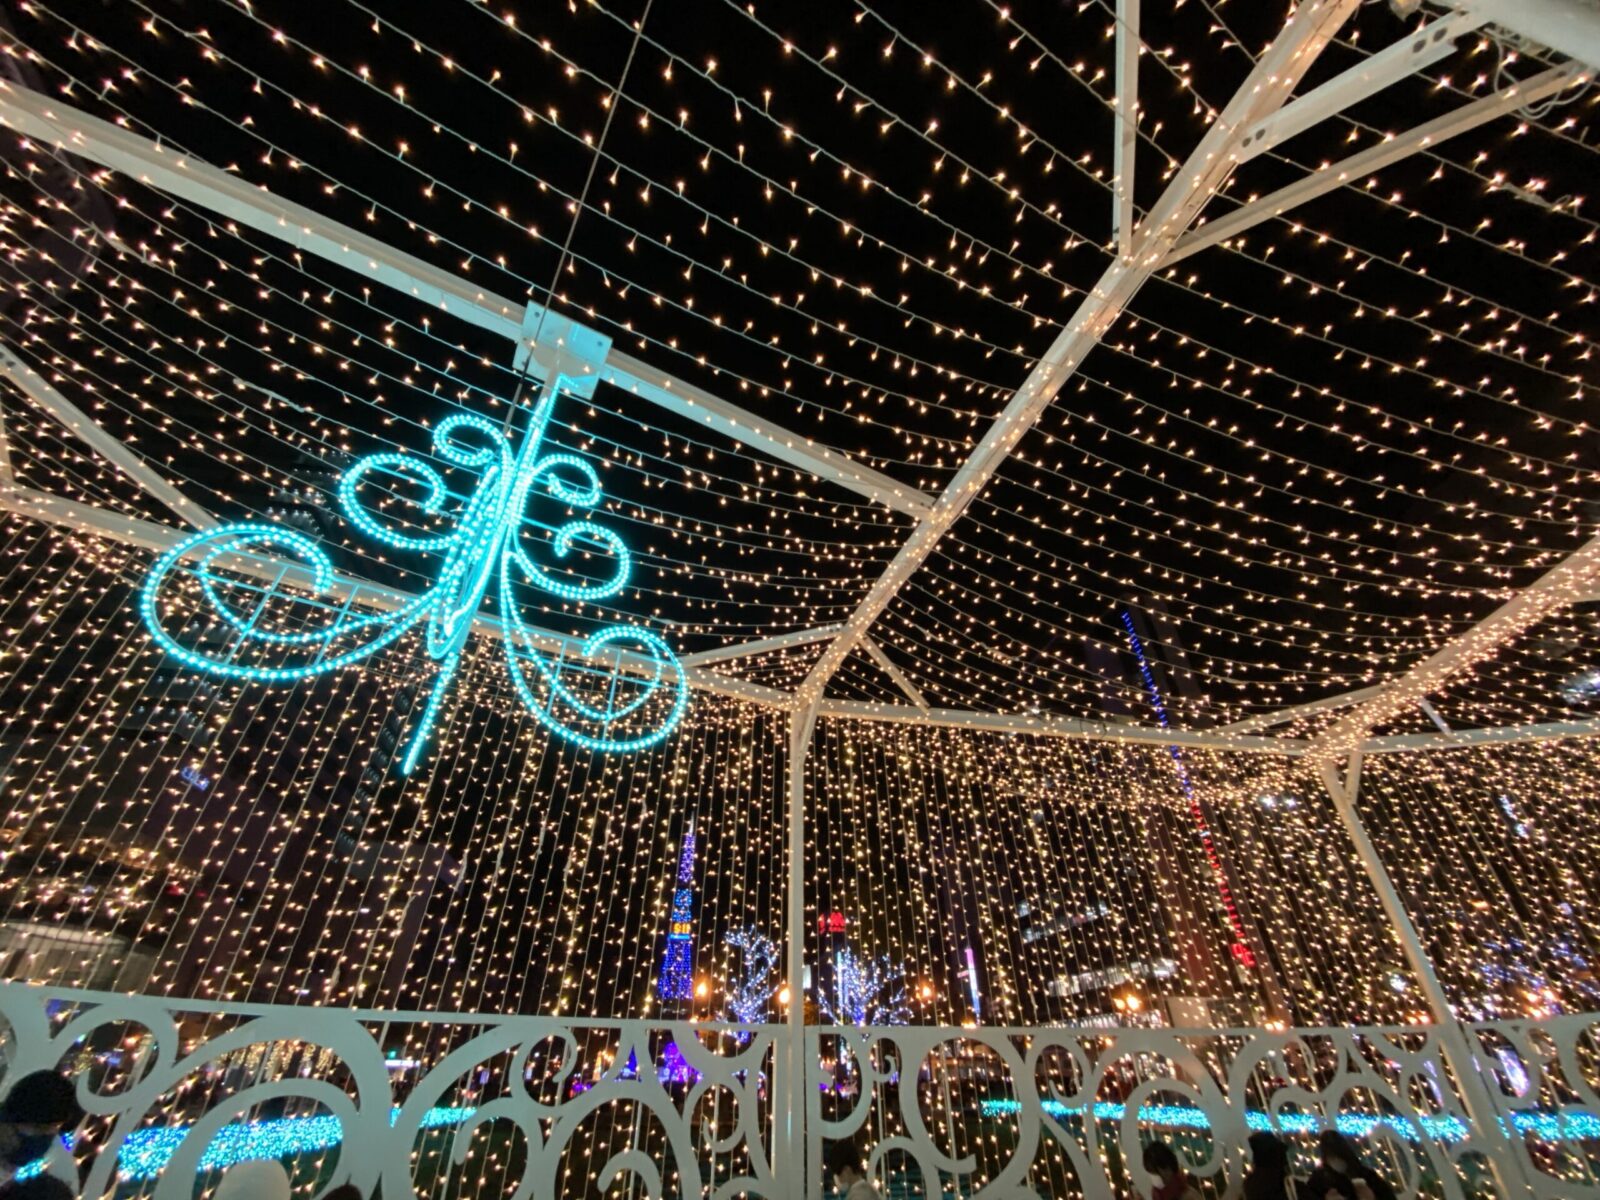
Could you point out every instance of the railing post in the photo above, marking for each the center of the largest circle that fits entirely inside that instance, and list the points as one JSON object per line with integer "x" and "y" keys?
{"x": 789, "y": 1141}
{"x": 1476, "y": 1098}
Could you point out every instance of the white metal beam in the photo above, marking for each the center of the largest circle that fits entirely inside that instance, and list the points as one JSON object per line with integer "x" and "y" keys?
{"x": 698, "y": 405}
{"x": 77, "y": 132}
{"x": 1125, "y": 150}
{"x": 1457, "y": 739}
{"x": 781, "y": 641}
{"x": 1348, "y": 170}
{"x": 7, "y": 478}
{"x": 156, "y": 538}
{"x": 1432, "y": 714}
{"x": 1565, "y": 25}
{"x": 1268, "y": 86}
{"x": 1571, "y": 578}
{"x": 1283, "y": 716}
{"x": 1058, "y": 727}
{"x": 147, "y": 535}
{"x": 1417, "y": 50}
{"x": 900, "y": 679}
{"x": 94, "y": 435}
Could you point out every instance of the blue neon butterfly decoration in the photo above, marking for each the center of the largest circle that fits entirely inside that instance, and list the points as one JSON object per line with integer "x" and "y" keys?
{"x": 481, "y": 551}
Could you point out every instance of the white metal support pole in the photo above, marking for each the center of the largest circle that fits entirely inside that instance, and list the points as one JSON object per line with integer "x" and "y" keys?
{"x": 6, "y": 477}
{"x": 789, "y": 1140}
{"x": 1125, "y": 149}
{"x": 1482, "y": 1111}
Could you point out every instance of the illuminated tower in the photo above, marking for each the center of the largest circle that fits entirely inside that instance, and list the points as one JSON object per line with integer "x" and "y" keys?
{"x": 676, "y": 986}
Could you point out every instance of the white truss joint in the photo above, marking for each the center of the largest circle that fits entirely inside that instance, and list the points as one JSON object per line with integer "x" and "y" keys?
{"x": 1569, "y": 26}
{"x": 1305, "y": 34}
{"x": 1385, "y": 154}
{"x": 1415, "y": 52}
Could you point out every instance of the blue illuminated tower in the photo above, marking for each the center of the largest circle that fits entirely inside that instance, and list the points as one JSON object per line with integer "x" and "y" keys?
{"x": 676, "y": 986}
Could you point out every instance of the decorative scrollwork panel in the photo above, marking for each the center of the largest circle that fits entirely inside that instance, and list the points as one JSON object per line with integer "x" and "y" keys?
{"x": 530, "y": 1108}
{"x": 1067, "y": 1112}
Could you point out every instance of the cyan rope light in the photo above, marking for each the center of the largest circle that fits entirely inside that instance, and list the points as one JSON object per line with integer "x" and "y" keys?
{"x": 147, "y": 1151}
{"x": 481, "y": 553}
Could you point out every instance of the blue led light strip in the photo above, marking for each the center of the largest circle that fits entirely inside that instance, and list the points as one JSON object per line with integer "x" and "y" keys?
{"x": 482, "y": 551}
{"x": 146, "y": 1152}
{"x": 1574, "y": 1125}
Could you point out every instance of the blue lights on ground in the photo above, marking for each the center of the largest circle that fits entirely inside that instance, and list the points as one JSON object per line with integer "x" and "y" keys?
{"x": 147, "y": 1151}
{"x": 1575, "y": 1125}
{"x": 482, "y": 555}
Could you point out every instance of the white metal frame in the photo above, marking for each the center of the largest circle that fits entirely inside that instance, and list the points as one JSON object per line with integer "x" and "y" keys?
{"x": 1259, "y": 115}
{"x": 232, "y": 198}
{"x": 42, "y": 392}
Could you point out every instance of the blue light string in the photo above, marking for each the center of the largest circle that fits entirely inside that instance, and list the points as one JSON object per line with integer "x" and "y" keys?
{"x": 146, "y": 1152}
{"x": 1156, "y": 701}
{"x": 481, "y": 552}
{"x": 1574, "y": 1125}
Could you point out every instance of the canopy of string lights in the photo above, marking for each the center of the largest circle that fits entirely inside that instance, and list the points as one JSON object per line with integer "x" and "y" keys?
{"x": 1033, "y": 439}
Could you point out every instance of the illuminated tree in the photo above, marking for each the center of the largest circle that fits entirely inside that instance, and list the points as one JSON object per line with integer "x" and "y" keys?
{"x": 865, "y": 992}
{"x": 750, "y": 992}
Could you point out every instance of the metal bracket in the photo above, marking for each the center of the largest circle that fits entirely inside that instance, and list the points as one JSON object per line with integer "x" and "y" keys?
{"x": 557, "y": 345}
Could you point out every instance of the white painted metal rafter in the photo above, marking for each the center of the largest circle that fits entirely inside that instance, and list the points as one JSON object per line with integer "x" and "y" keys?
{"x": 766, "y": 645}
{"x": 1563, "y": 585}
{"x": 1125, "y": 151}
{"x": 1267, "y": 88}
{"x": 235, "y": 200}
{"x": 1458, "y": 739}
{"x": 892, "y": 669}
{"x": 42, "y": 392}
{"x": 1284, "y": 716}
{"x": 1357, "y": 166}
{"x": 1417, "y": 50}
{"x": 1074, "y": 728}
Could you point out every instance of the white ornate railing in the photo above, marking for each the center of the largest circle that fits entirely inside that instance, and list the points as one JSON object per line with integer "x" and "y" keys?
{"x": 419, "y": 1103}
{"x": 439, "y": 1105}
{"x": 1066, "y": 1112}
{"x": 1544, "y": 1077}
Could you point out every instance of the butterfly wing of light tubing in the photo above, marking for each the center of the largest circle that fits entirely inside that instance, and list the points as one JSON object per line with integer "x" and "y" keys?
{"x": 481, "y": 550}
